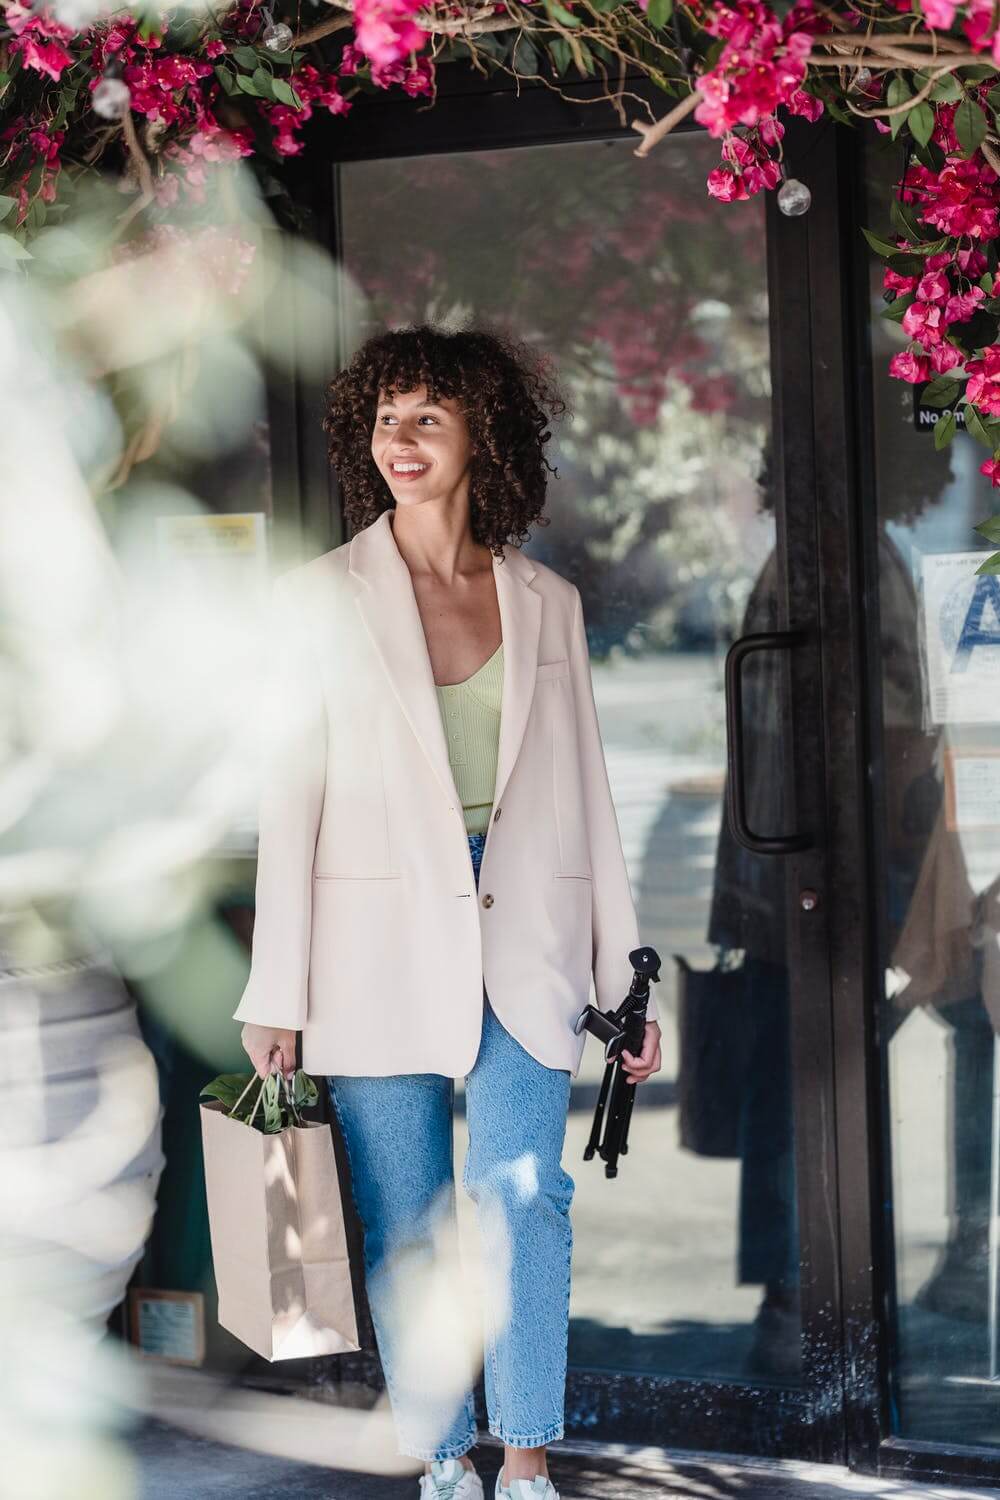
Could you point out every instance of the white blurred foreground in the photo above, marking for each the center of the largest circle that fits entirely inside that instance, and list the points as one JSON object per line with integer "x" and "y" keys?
{"x": 131, "y": 745}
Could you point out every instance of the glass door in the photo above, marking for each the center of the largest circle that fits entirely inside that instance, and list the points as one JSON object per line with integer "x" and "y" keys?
{"x": 937, "y": 633}
{"x": 670, "y": 514}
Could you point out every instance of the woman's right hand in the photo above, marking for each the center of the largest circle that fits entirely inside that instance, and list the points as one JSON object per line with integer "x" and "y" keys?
{"x": 270, "y": 1049}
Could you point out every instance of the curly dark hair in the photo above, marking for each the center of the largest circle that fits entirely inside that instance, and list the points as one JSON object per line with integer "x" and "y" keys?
{"x": 507, "y": 395}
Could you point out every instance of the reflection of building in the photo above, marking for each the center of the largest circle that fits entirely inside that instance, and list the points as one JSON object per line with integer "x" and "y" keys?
{"x": 879, "y": 1123}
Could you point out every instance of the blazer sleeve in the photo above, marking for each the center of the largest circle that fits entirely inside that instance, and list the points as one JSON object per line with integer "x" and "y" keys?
{"x": 615, "y": 926}
{"x": 293, "y": 735}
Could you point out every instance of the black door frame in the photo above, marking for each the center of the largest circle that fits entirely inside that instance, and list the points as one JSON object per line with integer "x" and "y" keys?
{"x": 817, "y": 279}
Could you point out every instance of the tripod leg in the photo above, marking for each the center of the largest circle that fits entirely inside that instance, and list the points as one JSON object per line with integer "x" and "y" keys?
{"x": 595, "y": 1129}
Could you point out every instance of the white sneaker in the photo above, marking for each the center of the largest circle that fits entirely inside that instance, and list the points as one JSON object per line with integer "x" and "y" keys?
{"x": 538, "y": 1488}
{"x": 449, "y": 1479}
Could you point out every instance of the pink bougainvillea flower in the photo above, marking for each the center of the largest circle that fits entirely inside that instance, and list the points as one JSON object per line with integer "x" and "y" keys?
{"x": 962, "y": 306}
{"x": 49, "y": 57}
{"x": 991, "y": 468}
{"x": 924, "y": 321}
{"x": 726, "y": 185}
{"x": 908, "y": 366}
{"x": 350, "y": 60}
{"x": 972, "y": 261}
{"x": 959, "y": 200}
{"x": 384, "y": 30}
{"x": 895, "y": 281}
{"x": 939, "y": 14}
{"x": 945, "y": 357}
{"x": 983, "y": 388}
{"x": 934, "y": 287}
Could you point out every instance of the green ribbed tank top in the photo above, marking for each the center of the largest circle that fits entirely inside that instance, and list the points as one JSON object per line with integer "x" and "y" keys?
{"x": 470, "y": 713}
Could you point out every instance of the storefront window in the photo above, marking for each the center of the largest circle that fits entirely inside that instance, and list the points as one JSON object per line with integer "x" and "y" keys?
{"x": 939, "y": 625}
{"x": 654, "y": 306}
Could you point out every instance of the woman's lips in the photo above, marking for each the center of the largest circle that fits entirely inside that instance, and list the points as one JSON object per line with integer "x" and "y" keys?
{"x": 409, "y": 474}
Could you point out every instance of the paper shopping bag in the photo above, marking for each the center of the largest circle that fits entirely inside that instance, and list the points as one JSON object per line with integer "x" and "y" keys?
{"x": 278, "y": 1237}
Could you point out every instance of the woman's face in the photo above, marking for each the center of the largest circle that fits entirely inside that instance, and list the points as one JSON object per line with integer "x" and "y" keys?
{"x": 410, "y": 430}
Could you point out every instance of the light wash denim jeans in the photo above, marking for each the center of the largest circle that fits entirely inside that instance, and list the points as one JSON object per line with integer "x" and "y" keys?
{"x": 398, "y": 1135}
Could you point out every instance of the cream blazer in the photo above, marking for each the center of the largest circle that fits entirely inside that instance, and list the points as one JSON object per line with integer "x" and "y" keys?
{"x": 369, "y": 935}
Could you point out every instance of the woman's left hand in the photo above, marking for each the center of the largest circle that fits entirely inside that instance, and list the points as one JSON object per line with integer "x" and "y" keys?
{"x": 638, "y": 1069}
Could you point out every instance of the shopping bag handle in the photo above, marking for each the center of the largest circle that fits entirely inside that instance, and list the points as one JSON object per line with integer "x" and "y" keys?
{"x": 288, "y": 1094}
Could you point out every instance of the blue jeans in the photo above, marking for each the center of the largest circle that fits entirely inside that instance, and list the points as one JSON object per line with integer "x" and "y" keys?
{"x": 398, "y": 1134}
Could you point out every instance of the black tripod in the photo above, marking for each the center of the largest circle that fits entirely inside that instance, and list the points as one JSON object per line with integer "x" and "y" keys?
{"x": 618, "y": 1029}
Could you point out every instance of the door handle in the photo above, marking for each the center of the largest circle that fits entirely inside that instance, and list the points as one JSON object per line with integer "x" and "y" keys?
{"x": 736, "y": 802}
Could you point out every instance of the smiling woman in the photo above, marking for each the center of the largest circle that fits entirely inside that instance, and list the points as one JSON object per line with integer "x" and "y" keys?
{"x": 474, "y": 402}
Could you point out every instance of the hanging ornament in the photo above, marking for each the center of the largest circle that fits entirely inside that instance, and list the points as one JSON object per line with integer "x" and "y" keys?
{"x": 794, "y": 197}
{"x": 861, "y": 80}
{"x": 276, "y": 36}
{"x": 111, "y": 98}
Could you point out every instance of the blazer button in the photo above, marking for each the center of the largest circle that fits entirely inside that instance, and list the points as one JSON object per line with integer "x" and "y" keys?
{"x": 487, "y": 899}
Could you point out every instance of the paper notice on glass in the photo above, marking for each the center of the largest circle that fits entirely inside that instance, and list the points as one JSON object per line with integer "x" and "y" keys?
{"x": 229, "y": 550}
{"x": 972, "y": 788}
{"x": 961, "y": 625}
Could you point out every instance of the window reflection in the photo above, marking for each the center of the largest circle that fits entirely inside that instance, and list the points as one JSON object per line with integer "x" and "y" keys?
{"x": 940, "y": 644}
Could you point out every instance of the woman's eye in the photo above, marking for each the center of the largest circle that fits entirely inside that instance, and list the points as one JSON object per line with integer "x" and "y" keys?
{"x": 425, "y": 418}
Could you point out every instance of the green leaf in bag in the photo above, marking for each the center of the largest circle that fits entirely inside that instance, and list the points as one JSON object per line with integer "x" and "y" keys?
{"x": 304, "y": 1090}
{"x": 227, "y": 1088}
{"x": 271, "y": 1106}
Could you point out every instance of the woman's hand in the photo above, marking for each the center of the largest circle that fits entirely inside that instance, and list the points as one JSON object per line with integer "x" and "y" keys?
{"x": 640, "y": 1068}
{"x": 270, "y": 1049}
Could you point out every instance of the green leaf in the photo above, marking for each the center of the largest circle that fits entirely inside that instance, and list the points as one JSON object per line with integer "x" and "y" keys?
{"x": 894, "y": 312}
{"x": 227, "y": 78}
{"x": 11, "y": 250}
{"x": 940, "y": 392}
{"x": 986, "y": 281}
{"x": 304, "y": 1090}
{"x": 561, "y": 54}
{"x": 6, "y": 204}
{"x": 975, "y": 424}
{"x": 265, "y": 83}
{"x": 903, "y": 218}
{"x": 246, "y": 57}
{"x": 970, "y": 126}
{"x": 978, "y": 71}
{"x": 561, "y": 13}
{"x": 273, "y": 1121}
{"x": 248, "y": 85}
{"x": 285, "y": 92}
{"x": 944, "y": 430}
{"x": 880, "y": 246}
{"x": 993, "y": 99}
{"x": 921, "y": 122}
{"x": 897, "y": 93}
{"x": 991, "y": 565}
{"x": 945, "y": 91}
{"x": 659, "y": 12}
{"x": 990, "y": 529}
{"x": 228, "y": 1087}
{"x": 909, "y": 265}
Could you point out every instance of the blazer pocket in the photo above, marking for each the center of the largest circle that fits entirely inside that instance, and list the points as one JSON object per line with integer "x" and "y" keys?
{"x": 553, "y": 669}
{"x": 571, "y": 875}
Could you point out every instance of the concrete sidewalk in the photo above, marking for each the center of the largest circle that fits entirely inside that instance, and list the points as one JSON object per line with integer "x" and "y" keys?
{"x": 174, "y": 1464}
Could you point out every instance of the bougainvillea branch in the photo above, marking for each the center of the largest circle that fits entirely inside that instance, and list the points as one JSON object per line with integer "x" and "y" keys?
{"x": 167, "y": 98}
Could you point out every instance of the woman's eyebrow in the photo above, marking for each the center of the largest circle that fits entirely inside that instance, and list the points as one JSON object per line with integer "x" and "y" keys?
{"x": 435, "y": 404}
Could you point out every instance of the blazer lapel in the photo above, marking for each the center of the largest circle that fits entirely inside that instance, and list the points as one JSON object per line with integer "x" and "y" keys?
{"x": 388, "y": 607}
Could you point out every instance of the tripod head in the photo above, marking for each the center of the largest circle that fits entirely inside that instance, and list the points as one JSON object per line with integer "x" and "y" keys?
{"x": 621, "y": 1028}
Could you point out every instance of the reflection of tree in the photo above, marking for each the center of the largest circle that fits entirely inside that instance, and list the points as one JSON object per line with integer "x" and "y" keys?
{"x": 654, "y": 309}
{"x": 657, "y": 518}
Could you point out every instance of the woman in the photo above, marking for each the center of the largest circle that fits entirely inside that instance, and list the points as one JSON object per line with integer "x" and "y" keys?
{"x": 434, "y": 679}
